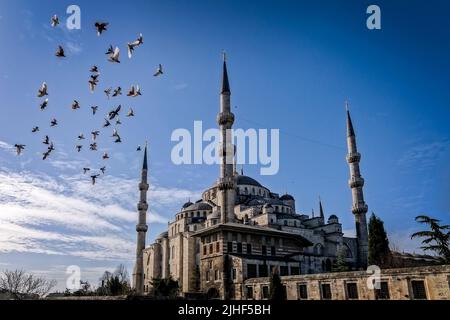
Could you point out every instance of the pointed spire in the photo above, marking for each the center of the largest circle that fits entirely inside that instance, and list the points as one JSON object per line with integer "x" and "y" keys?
{"x": 225, "y": 83}
{"x": 350, "y": 131}
{"x": 242, "y": 170}
{"x": 144, "y": 165}
{"x": 313, "y": 212}
{"x": 321, "y": 209}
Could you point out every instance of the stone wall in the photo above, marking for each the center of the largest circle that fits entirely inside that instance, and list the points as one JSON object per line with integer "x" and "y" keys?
{"x": 399, "y": 284}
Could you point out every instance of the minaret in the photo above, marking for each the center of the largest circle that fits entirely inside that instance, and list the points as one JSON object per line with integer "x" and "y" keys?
{"x": 356, "y": 183}
{"x": 141, "y": 228}
{"x": 225, "y": 119}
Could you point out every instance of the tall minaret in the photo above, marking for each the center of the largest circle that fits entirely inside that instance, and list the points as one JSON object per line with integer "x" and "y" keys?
{"x": 225, "y": 119}
{"x": 356, "y": 183}
{"x": 141, "y": 228}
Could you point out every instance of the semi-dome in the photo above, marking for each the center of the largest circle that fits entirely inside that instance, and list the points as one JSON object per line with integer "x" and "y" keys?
{"x": 199, "y": 206}
{"x": 286, "y": 197}
{"x": 245, "y": 180}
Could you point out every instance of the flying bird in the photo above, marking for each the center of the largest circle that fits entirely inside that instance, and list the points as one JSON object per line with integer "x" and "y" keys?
{"x": 115, "y": 112}
{"x": 130, "y": 113}
{"x": 94, "y": 177}
{"x": 43, "y": 90}
{"x": 19, "y": 148}
{"x": 35, "y": 129}
{"x": 136, "y": 43}
{"x": 78, "y": 147}
{"x": 75, "y": 105}
{"x": 46, "y": 154}
{"x": 53, "y": 123}
{"x": 44, "y": 104}
{"x": 95, "y": 134}
{"x": 105, "y": 156}
{"x": 114, "y": 57}
{"x": 93, "y": 81}
{"x": 138, "y": 148}
{"x": 134, "y": 92}
{"x": 85, "y": 170}
{"x": 110, "y": 50}
{"x": 159, "y": 71}
{"x": 94, "y": 109}
{"x": 60, "y": 52}
{"x": 94, "y": 69}
{"x": 117, "y": 92}
{"x": 81, "y": 136}
{"x": 54, "y": 21}
{"x": 106, "y": 124}
{"x": 118, "y": 140}
{"x": 115, "y": 133}
{"x": 101, "y": 26}
{"x": 51, "y": 147}
{"x": 102, "y": 169}
{"x": 46, "y": 140}
{"x": 93, "y": 146}
{"x": 107, "y": 91}
{"x": 118, "y": 121}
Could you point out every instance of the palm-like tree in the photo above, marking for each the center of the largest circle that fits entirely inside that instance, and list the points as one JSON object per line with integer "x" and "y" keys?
{"x": 437, "y": 239}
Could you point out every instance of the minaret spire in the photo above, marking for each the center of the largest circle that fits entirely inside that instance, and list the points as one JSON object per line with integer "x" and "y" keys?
{"x": 356, "y": 183}
{"x": 225, "y": 119}
{"x": 141, "y": 229}
{"x": 321, "y": 209}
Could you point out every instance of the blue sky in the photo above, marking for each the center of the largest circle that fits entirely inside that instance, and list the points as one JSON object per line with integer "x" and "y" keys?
{"x": 292, "y": 64}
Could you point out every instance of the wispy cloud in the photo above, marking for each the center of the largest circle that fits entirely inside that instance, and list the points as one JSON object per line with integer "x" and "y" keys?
{"x": 424, "y": 156}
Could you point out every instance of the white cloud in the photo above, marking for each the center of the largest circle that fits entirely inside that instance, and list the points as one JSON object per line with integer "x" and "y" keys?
{"x": 67, "y": 215}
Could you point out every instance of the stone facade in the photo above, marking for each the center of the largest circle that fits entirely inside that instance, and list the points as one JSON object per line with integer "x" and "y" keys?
{"x": 430, "y": 283}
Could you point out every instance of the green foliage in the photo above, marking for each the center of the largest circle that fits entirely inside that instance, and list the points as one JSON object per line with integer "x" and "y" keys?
{"x": 277, "y": 292}
{"x": 379, "y": 252}
{"x": 165, "y": 287}
{"x": 436, "y": 239}
{"x": 340, "y": 265}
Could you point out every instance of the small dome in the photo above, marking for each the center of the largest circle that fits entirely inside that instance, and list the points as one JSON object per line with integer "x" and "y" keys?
{"x": 286, "y": 197}
{"x": 187, "y": 204}
{"x": 333, "y": 218}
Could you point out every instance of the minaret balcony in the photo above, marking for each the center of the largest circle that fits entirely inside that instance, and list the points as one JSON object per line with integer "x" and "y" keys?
{"x": 353, "y": 157}
{"x": 224, "y": 118}
{"x": 360, "y": 208}
{"x": 356, "y": 182}
{"x": 226, "y": 183}
{"x": 141, "y": 228}
{"x": 143, "y": 186}
{"x": 142, "y": 206}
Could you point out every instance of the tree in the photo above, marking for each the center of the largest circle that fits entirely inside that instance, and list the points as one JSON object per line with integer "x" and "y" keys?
{"x": 436, "y": 239}
{"x": 165, "y": 287}
{"x": 379, "y": 252}
{"x": 21, "y": 285}
{"x": 116, "y": 283}
{"x": 340, "y": 265}
{"x": 277, "y": 291}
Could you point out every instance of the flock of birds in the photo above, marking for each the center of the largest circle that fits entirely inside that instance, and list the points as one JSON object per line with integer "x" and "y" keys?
{"x": 113, "y": 54}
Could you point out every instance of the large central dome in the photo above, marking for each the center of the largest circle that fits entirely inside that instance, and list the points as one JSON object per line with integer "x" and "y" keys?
{"x": 245, "y": 180}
